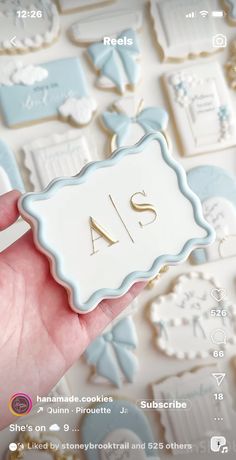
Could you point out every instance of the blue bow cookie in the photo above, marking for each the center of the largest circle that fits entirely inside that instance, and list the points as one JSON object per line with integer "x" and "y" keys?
{"x": 151, "y": 119}
{"x": 118, "y": 62}
{"x": 112, "y": 352}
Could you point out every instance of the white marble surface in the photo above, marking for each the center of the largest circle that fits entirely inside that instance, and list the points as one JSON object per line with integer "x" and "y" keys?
{"x": 153, "y": 364}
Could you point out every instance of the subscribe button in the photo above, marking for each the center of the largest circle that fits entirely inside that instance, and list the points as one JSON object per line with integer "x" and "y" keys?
{"x": 164, "y": 404}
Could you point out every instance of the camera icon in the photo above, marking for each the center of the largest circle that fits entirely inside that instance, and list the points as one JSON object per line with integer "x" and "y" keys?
{"x": 219, "y": 41}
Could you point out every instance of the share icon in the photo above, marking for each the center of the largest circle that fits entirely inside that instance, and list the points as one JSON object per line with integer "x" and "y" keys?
{"x": 219, "y": 377}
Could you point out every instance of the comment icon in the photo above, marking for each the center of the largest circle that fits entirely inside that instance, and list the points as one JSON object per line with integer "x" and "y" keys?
{"x": 218, "y": 337}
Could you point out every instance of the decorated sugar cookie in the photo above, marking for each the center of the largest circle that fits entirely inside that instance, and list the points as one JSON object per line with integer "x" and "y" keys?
{"x": 216, "y": 189}
{"x": 129, "y": 121}
{"x": 230, "y": 6}
{"x": 112, "y": 354}
{"x": 32, "y": 94}
{"x": 125, "y": 425}
{"x": 200, "y": 99}
{"x": 32, "y": 25}
{"x": 71, "y": 6}
{"x": 52, "y": 447}
{"x": 116, "y": 61}
{"x": 197, "y": 34}
{"x": 109, "y": 23}
{"x": 9, "y": 173}
{"x": 61, "y": 388}
{"x": 116, "y": 223}
{"x": 56, "y": 156}
{"x": 183, "y": 320}
{"x": 202, "y": 414}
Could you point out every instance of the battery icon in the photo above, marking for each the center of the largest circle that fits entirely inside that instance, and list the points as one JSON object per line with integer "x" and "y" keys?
{"x": 218, "y": 14}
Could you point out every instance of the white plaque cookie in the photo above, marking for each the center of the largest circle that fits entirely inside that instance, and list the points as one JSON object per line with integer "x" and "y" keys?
{"x": 56, "y": 156}
{"x": 109, "y": 213}
{"x": 202, "y": 108}
{"x": 181, "y": 36}
{"x": 27, "y": 26}
{"x": 192, "y": 424}
{"x": 94, "y": 27}
{"x": 189, "y": 322}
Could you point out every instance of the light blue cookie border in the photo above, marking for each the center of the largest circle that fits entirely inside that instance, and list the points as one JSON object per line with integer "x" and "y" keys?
{"x": 209, "y": 181}
{"x": 27, "y": 212}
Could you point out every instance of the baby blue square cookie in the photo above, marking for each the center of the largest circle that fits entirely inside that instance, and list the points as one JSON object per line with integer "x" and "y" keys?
{"x": 56, "y": 88}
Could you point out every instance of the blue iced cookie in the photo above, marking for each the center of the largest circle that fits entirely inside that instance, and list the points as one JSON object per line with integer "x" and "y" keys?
{"x": 112, "y": 354}
{"x": 126, "y": 425}
{"x": 216, "y": 189}
{"x": 117, "y": 61}
{"x": 128, "y": 120}
{"x": 60, "y": 88}
{"x": 9, "y": 173}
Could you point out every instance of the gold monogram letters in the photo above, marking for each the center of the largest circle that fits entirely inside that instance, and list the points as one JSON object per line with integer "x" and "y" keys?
{"x": 97, "y": 228}
{"x": 142, "y": 207}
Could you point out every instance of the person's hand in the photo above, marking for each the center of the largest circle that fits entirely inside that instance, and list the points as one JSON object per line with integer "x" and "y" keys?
{"x": 40, "y": 336}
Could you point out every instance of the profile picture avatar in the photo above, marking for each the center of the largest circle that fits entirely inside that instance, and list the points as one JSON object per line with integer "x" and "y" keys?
{"x": 219, "y": 41}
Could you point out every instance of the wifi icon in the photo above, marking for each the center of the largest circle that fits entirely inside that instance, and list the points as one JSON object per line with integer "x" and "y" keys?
{"x": 204, "y": 13}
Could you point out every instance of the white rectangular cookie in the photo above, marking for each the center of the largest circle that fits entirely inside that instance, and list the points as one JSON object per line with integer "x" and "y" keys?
{"x": 56, "y": 156}
{"x": 181, "y": 37}
{"x": 203, "y": 411}
{"x": 94, "y": 27}
{"x": 202, "y": 108}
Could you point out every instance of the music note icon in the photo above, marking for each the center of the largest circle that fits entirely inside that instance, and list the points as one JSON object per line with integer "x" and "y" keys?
{"x": 218, "y": 444}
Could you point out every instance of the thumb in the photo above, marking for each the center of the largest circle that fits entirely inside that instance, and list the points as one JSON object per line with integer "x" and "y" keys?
{"x": 94, "y": 322}
{"x": 8, "y": 209}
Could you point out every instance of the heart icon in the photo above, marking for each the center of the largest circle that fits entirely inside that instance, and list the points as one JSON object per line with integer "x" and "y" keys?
{"x": 218, "y": 294}
{"x": 183, "y": 318}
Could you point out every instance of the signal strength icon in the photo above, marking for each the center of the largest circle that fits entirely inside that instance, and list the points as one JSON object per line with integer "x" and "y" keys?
{"x": 190, "y": 15}
{"x": 204, "y": 13}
